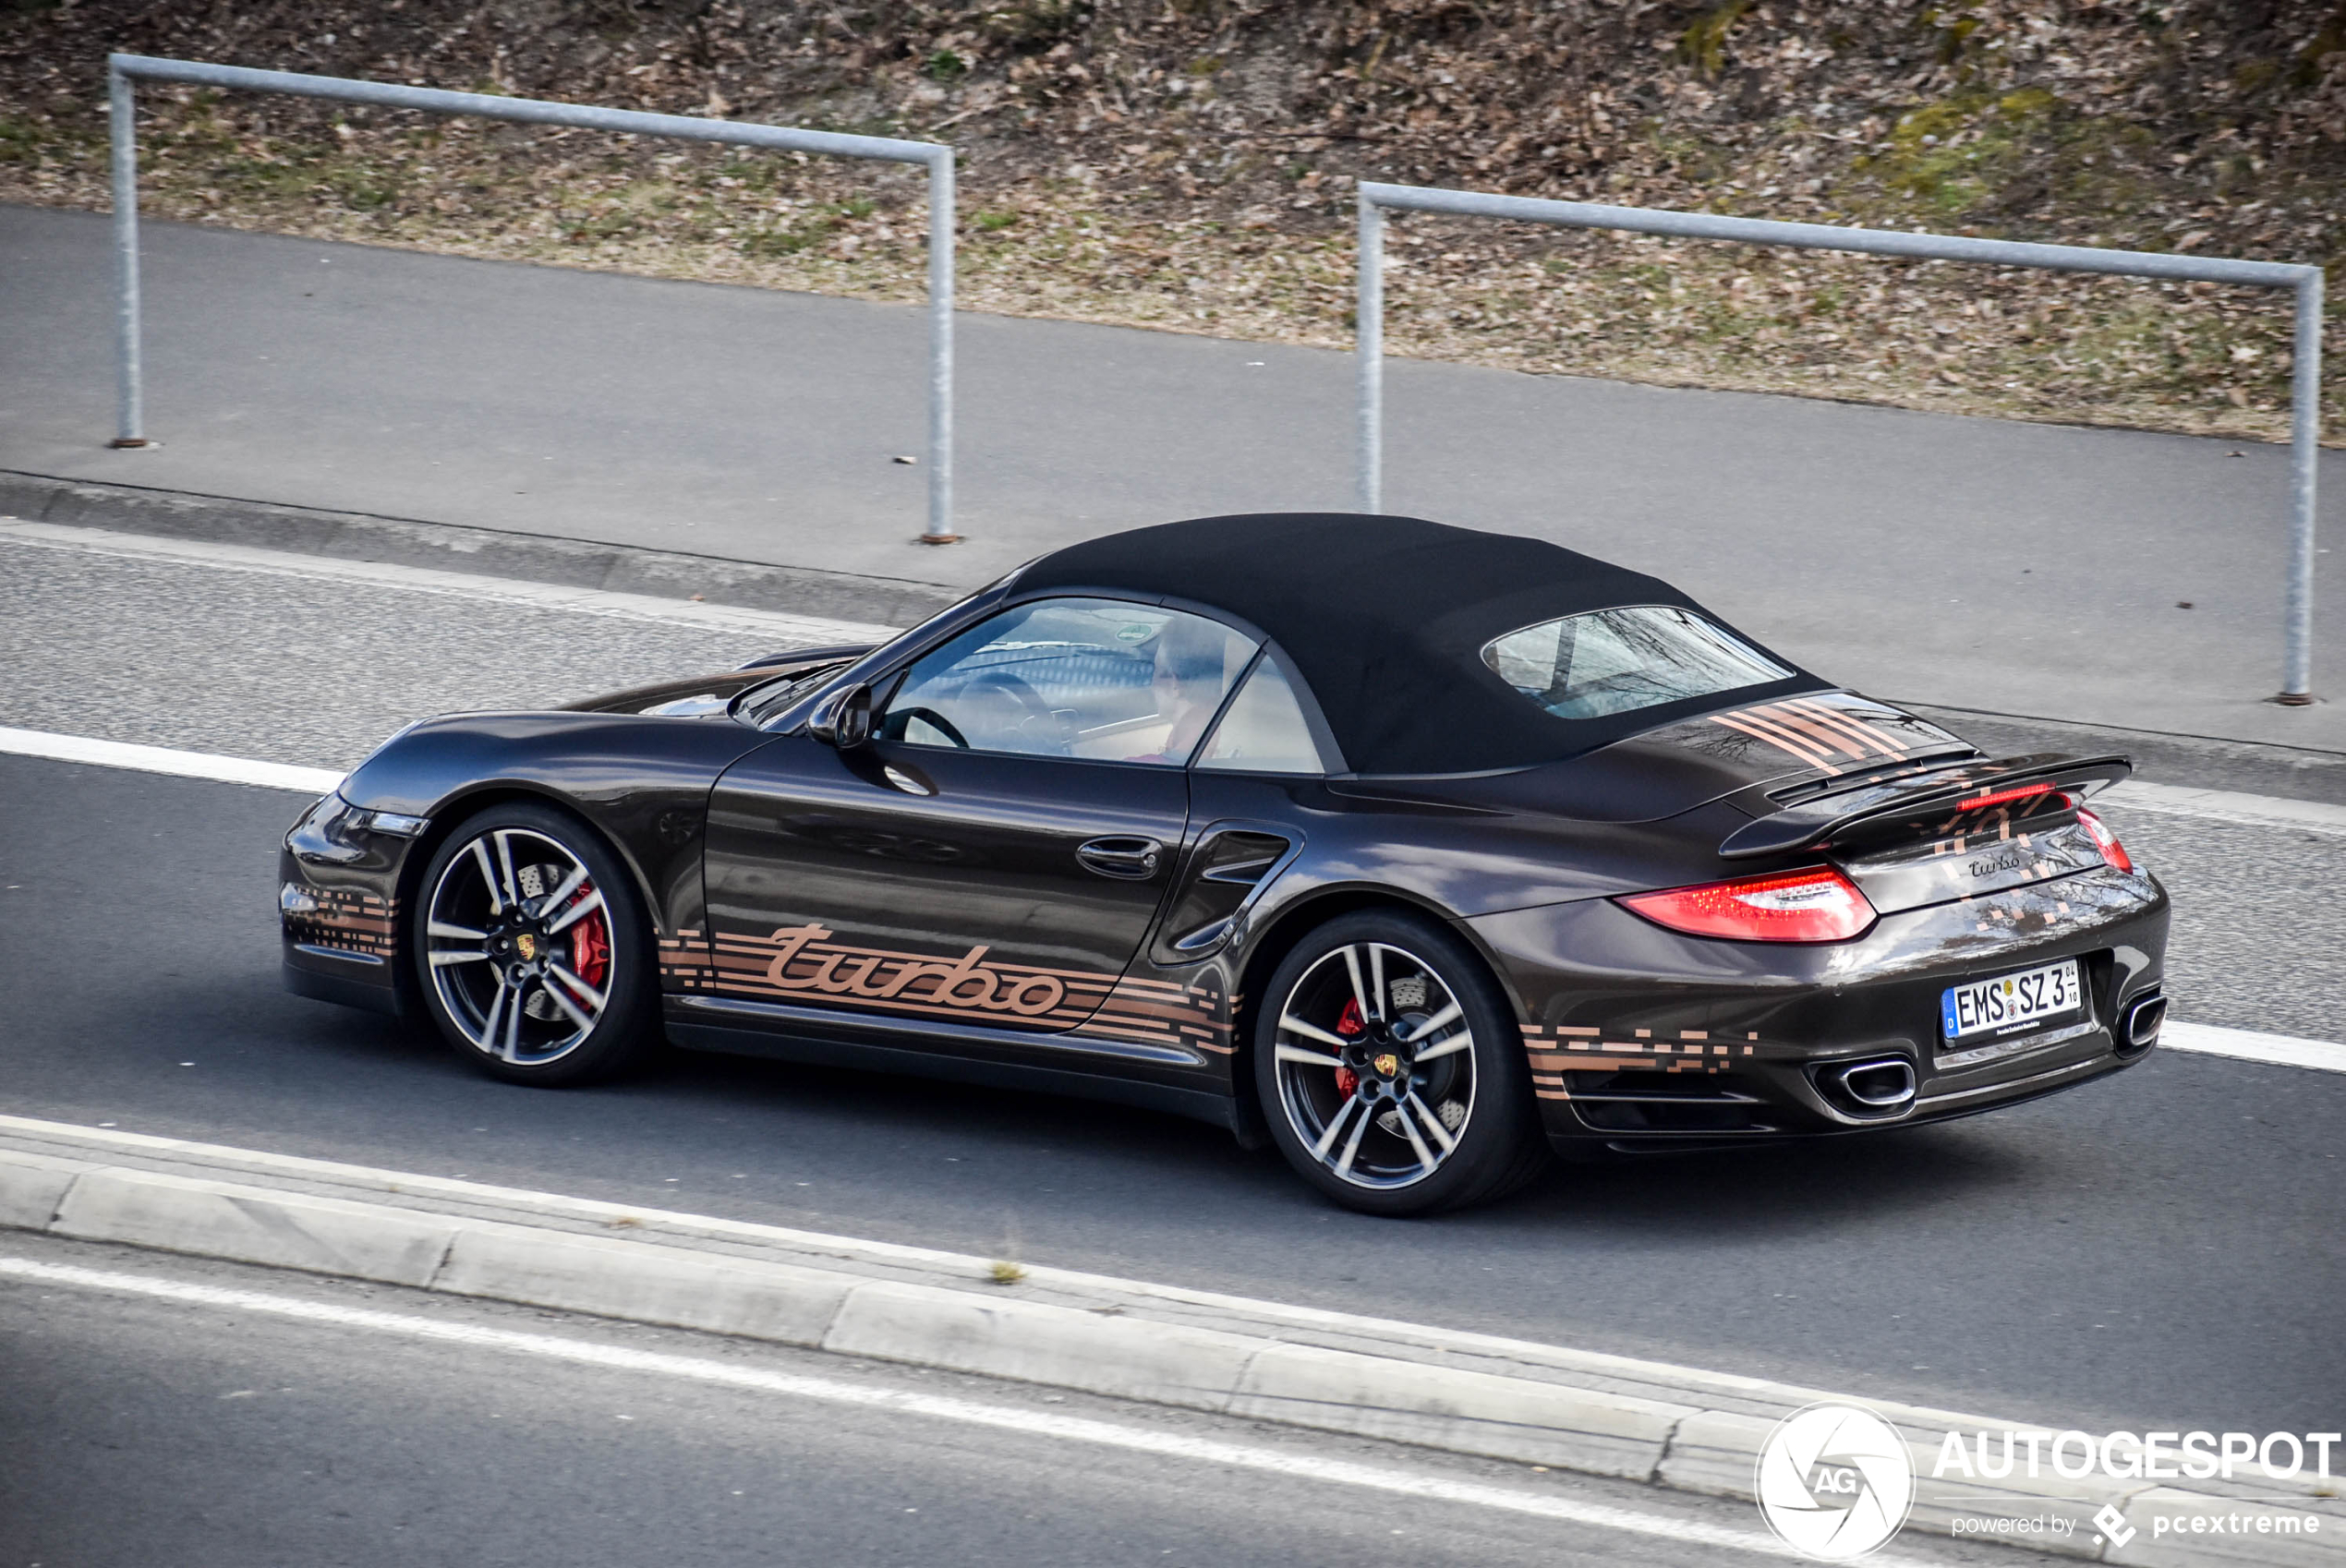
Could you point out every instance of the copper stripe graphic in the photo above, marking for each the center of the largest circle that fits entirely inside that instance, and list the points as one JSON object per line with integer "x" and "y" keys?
{"x": 1777, "y": 722}
{"x": 1844, "y": 731}
{"x": 1888, "y": 744}
{"x": 1791, "y": 718}
{"x": 347, "y": 920}
{"x": 1798, "y": 750}
{"x": 1835, "y": 728}
{"x": 803, "y": 964}
{"x": 1792, "y": 715}
{"x": 1820, "y": 732}
{"x": 1692, "y": 1053}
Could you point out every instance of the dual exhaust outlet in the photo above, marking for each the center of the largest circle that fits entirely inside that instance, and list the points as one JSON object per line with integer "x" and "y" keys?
{"x": 1884, "y": 1085}
{"x": 1876, "y": 1087}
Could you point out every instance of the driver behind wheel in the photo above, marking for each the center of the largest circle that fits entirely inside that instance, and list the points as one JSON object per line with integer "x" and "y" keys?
{"x": 1191, "y": 675}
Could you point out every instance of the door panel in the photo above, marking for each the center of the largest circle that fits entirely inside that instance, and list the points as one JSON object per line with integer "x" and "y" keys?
{"x": 833, "y": 883}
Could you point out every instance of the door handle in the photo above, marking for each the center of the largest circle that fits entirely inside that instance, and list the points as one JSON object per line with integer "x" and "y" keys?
{"x": 1126, "y": 856}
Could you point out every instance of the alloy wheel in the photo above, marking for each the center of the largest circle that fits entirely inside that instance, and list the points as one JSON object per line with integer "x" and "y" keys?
{"x": 1375, "y": 1064}
{"x": 518, "y": 943}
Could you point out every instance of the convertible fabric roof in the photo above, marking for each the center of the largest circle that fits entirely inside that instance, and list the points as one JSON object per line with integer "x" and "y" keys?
{"x": 1387, "y": 619}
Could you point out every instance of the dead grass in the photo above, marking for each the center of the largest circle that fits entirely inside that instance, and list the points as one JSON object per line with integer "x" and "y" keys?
{"x": 1193, "y": 172}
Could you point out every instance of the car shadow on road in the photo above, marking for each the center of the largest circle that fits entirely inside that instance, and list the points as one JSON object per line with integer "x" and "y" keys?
{"x": 1821, "y": 1185}
{"x": 1831, "y": 1178}
{"x": 973, "y": 1149}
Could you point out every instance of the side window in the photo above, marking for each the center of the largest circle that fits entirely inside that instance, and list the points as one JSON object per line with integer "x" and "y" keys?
{"x": 1099, "y": 679}
{"x": 1264, "y": 731}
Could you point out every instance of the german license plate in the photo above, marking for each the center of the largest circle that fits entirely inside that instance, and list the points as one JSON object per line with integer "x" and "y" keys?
{"x": 2011, "y": 1004}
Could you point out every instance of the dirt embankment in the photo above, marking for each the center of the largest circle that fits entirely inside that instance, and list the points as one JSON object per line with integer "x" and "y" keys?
{"x": 1188, "y": 164}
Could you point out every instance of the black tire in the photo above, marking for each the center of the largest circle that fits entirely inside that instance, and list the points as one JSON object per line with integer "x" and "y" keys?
{"x": 505, "y": 924}
{"x": 1349, "y": 1101}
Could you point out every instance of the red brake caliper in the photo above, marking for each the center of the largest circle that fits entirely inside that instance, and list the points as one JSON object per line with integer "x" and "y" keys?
{"x": 590, "y": 951}
{"x": 1350, "y": 1022}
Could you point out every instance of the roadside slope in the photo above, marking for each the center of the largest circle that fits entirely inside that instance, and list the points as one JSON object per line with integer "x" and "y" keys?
{"x": 1189, "y": 167}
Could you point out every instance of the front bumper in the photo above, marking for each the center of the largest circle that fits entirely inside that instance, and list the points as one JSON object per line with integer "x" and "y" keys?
{"x": 338, "y": 909}
{"x": 1642, "y": 1039}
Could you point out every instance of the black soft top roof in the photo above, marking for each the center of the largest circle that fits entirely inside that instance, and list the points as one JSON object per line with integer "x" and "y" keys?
{"x": 1387, "y": 619}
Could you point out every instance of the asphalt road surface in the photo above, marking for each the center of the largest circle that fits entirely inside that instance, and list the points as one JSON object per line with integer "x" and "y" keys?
{"x": 2029, "y": 568}
{"x": 298, "y": 666}
{"x": 147, "y": 1432}
{"x": 2159, "y": 1247}
{"x": 309, "y": 669}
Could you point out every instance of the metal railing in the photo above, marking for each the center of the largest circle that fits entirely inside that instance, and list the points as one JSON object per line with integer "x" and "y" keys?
{"x": 2297, "y": 656}
{"x": 123, "y": 69}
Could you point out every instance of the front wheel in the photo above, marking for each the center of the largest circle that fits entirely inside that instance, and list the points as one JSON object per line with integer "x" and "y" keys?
{"x": 534, "y": 954}
{"x": 1391, "y": 1070}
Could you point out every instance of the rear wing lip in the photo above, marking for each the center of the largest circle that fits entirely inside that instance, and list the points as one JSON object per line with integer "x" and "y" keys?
{"x": 1824, "y": 819}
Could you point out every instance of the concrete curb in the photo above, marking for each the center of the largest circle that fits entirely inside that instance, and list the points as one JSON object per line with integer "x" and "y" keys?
{"x": 491, "y": 552}
{"x": 1677, "y": 1428}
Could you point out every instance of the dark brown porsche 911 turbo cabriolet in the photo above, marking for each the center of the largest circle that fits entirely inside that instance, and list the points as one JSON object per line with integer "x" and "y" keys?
{"x": 1419, "y": 851}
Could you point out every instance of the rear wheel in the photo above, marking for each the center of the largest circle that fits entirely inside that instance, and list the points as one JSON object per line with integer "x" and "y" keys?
{"x": 1391, "y": 1070}
{"x": 534, "y": 954}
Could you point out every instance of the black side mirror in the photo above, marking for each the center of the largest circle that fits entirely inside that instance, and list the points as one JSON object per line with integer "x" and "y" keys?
{"x": 843, "y": 718}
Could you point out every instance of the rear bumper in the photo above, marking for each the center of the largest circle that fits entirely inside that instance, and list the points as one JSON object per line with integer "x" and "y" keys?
{"x": 1643, "y": 1040}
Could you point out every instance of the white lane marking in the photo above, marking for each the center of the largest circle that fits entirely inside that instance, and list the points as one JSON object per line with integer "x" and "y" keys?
{"x": 2281, "y": 1050}
{"x": 2226, "y": 805}
{"x": 1072, "y": 1428}
{"x": 2247, "y": 1045}
{"x": 162, "y": 759}
{"x": 2278, "y": 1049}
{"x": 802, "y": 630}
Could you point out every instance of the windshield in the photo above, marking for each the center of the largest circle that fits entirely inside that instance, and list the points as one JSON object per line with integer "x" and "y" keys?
{"x": 1614, "y": 660}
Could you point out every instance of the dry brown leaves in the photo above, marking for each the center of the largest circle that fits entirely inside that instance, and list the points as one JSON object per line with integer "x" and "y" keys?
{"x": 1188, "y": 164}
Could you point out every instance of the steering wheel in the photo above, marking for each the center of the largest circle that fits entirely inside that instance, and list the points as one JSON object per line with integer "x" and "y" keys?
{"x": 934, "y": 719}
{"x": 1035, "y": 719}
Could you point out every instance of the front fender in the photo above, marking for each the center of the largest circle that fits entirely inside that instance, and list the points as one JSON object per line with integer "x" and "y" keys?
{"x": 642, "y": 782}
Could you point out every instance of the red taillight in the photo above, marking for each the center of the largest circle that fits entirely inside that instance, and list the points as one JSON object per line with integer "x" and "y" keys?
{"x": 1816, "y": 904}
{"x": 2001, "y": 797}
{"x": 2111, "y": 849}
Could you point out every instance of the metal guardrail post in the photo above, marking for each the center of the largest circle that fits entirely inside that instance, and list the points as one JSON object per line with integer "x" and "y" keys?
{"x": 122, "y": 136}
{"x": 938, "y": 158}
{"x": 2297, "y": 618}
{"x": 1368, "y": 316}
{"x": 940, "y": 349}
{"x": 2304, "y": 458}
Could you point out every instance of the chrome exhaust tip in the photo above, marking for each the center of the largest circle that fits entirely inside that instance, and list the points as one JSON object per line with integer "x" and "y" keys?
{"x": 1884, "y": 1084}
{"x": 2140, "y": 1027}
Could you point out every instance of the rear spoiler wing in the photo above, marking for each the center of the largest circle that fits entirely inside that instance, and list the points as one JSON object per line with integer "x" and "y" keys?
{"x": 1940, "y": 795}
